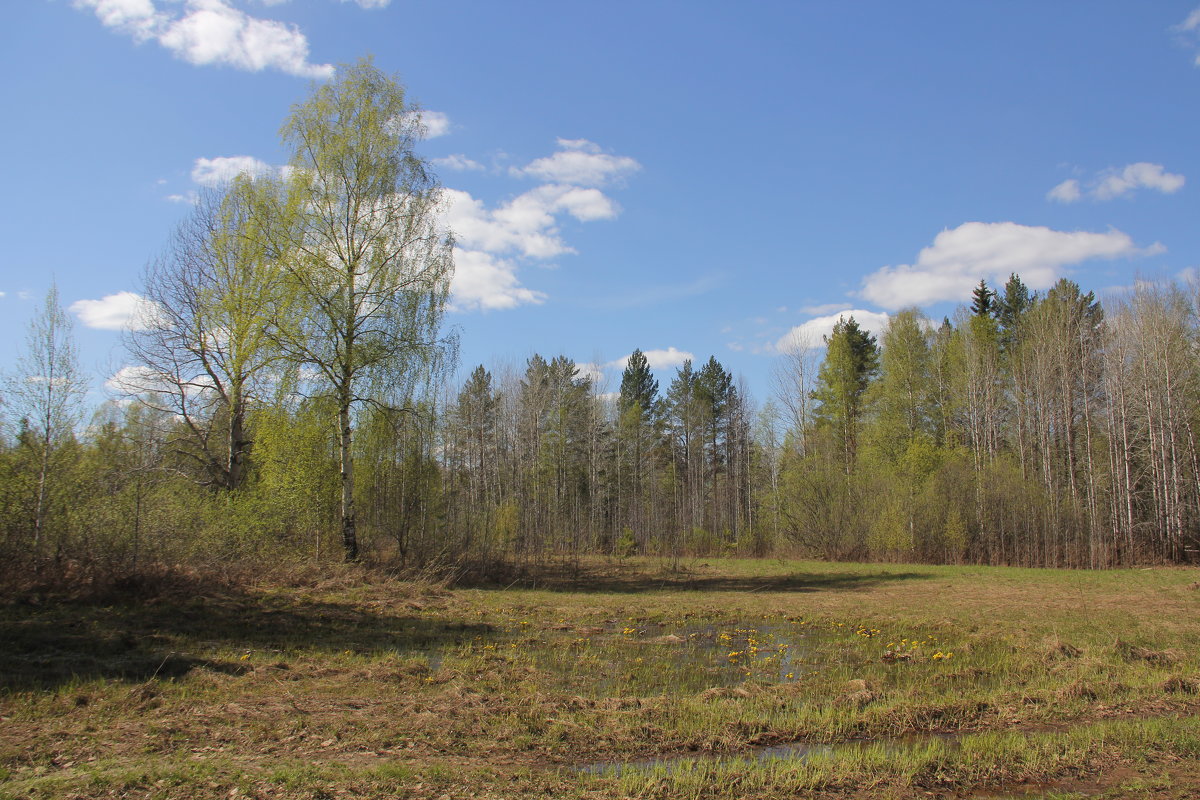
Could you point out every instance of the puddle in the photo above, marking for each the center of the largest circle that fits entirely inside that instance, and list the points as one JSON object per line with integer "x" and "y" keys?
{"x": 691, "y": 659}
{"x": 639, "y": 658}
{"x": 792, "y": 751}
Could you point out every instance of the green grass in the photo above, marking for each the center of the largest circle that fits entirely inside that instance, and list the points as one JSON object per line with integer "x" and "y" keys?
{"x": 375, "y": 687}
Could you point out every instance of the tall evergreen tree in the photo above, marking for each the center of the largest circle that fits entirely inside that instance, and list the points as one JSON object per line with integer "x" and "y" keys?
{"x": 982, "y": 299}
{"x": 1010, "y": 307}
{"x": 851, "y": 361}
{"x": 639, "y": 387}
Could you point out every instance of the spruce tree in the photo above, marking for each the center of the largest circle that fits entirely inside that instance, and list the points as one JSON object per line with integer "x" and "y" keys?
{"x": 851, "y": 361}
{"x": 982, "y": 299}
{"x": 1010, "y": 307}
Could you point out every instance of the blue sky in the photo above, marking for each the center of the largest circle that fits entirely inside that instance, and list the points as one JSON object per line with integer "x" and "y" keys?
{"x": 688, "y": 177}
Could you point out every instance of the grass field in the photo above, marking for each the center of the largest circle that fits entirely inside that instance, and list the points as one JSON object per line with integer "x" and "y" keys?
{"x": 722, "y": 678}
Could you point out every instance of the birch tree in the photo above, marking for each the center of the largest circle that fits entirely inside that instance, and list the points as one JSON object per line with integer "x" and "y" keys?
{"x": 203, "y": 350}
{"x": 367, "y": 264}
{"x": 46, "y": 393}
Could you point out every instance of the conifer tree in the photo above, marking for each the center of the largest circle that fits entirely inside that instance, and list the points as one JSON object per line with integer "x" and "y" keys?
{"x": 982, "y": 299}
{"x": 851, "y": 361}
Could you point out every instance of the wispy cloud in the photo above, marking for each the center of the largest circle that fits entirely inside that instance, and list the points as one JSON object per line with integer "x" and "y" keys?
{"x": 663, "y": 293}
{"x": 1117, "y": 182}
{"x": 213, "y": 172}
{"x": 458, "y": 163}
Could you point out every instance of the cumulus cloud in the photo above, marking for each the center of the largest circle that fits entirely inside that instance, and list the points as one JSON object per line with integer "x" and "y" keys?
{"x": 370, "y": 4}
{"x": 212, "y": 32}
{"x": 811, "y": 334}
{"x": 459, "y": 163}
{"x": 656, "y": 359}
{"x": 115, "y": 312}
{"x": 526, "y": 224}
{"x": 580, "y": 163}
{"x": 492, "y": 242}
{"x": 483, "y": 281}
{"x": 1119, "y": 181}
{"x": 956, "y": 261}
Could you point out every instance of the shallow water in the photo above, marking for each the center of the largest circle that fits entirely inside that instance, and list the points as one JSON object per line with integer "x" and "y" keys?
{"x": 688, "y": 659}
{"x": 792, "y": 751}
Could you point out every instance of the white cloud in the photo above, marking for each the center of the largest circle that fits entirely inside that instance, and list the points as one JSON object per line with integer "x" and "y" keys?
{"x": 1191, "y": 25}
{"x": 822, "y": 308}
{"x": 204, "y": 32}
{"x": 213, "y": 172}
{"x": 593, "y": 372}
{"x": 526, "y": 224}
{"x": 436, "y": 124}
{"x": 811, "y": 334}
{"x": 115, "y": 312}
{"x": 485, "y": 282}
{"x": 581, "y": 163}
{"x": 458, "y": 163}
{"x": 135, "y": 380}
{"x": 432, "y": 124}
{"x": 370, "y": 4}
{"x": 950, "y": 267}
{"x": 1119, "y": 181}
{"x": 656, "y": 359}
{"x": 1115, "y": 183}
{"x": 1065, "y": 192}
{"x": 138, "y": 18}
{"x": 492, "y": 243}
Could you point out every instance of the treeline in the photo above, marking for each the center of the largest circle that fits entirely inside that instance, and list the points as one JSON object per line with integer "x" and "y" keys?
{"x": 288, "y": 398}
{"x": 1036, "y": 430}
{"x": 1031, "y": 430}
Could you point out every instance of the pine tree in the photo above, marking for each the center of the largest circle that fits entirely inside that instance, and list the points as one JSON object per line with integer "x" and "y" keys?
{"x": 638, "y": 423}
{"x": 639, "y": 388}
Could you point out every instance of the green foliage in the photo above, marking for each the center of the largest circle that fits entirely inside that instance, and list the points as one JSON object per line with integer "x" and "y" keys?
{"x": 982, "y": 299}
{"x": 851, "y": 361}
{"x": 627, "y": 545}
{"x": 639, "y": 388}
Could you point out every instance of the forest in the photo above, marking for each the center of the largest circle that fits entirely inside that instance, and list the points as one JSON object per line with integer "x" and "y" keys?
{"x": 293, "y": 394}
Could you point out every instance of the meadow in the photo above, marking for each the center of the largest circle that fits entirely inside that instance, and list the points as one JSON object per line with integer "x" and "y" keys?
{"x": 705, "y": 679}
